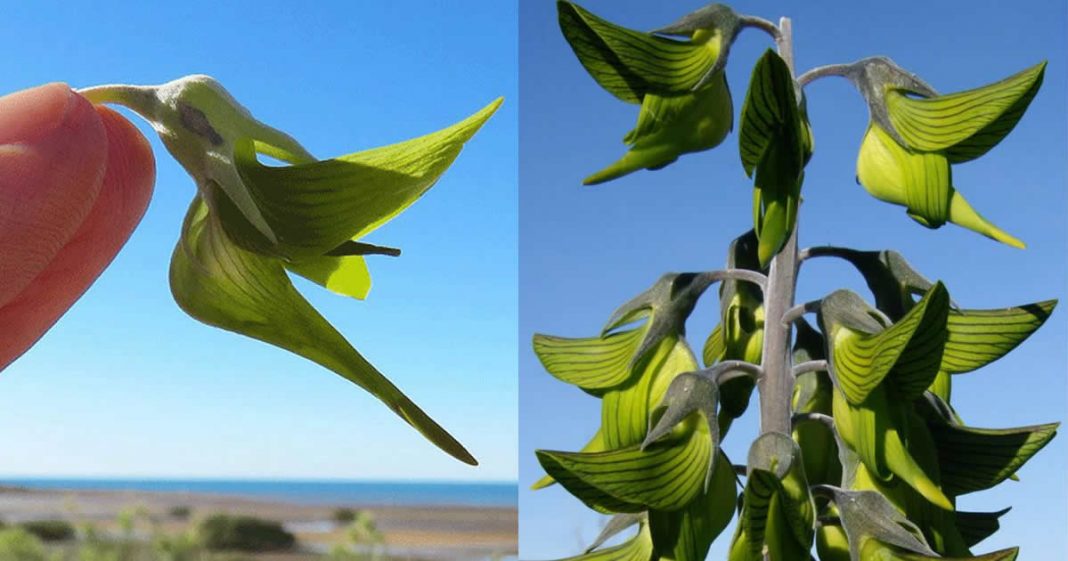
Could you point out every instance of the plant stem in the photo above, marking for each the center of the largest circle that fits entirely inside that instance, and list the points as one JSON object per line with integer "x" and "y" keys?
{"x": 776, "y": 386}
{"x": 784, "y": 41}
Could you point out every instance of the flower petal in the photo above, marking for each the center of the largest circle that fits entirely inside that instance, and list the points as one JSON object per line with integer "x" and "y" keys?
{"x": 346, "y": 274}
{"x": 670, "y": 126}
{"x": 316, "y": 207}
{"x": 969, "y": 122}
{"x": 667, "y": 475}
{"x": 221, "y": 284}
{"x": 979, "y": 337}
{"x": 631, "y": 64}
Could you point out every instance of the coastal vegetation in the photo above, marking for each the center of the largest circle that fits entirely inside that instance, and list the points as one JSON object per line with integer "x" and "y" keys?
{"x": 136, "y": 535}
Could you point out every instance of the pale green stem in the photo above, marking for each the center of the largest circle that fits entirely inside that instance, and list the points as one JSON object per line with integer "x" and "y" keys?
{"x": 139, "y": 99}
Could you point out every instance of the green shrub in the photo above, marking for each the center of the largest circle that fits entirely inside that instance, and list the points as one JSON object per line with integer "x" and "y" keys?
{"x": 231, "y": 557}
{"x": 223, "y": 532}
{"x": 184, "y": 546}
{"x": 344, "y": 515}
{"x": 17, "y": 544}
{"x": 49, "y": 530}
{"x": 180, "y": 512}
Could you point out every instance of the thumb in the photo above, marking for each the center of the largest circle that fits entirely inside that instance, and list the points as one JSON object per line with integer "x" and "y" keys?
{"x": 114, "y": 193}
{"x": 53, "y": 150}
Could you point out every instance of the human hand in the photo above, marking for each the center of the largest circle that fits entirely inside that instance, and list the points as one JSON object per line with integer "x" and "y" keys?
{"x": 75, "y": 180}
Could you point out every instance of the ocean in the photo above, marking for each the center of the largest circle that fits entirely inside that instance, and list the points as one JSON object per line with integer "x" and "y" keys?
{"x": 363, "y": 493}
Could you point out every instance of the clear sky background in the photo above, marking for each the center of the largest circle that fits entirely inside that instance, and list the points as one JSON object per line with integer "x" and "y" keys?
{"x": 586, "y": 250}
{"x": 127, "y": 385}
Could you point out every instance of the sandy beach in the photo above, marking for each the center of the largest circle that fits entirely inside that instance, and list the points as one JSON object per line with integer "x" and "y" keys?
{"x": 439, "y": 533}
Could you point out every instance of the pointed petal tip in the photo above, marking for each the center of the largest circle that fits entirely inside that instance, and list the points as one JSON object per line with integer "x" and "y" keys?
{"x": 964, "y": 215}
{"x": 486, "y": 112}
{"x": 543, "y": 483}
{"x": 463, "y": 455}
{"x": 597, "y": 179}
{"x": 999, "y": 235}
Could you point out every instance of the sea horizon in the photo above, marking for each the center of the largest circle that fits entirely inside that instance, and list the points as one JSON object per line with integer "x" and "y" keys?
{"x": 323, "y": 491}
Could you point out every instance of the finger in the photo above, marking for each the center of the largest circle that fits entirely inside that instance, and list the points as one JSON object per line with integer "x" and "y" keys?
{"x": 53, "y": 151}
{"x": 123, "y": 198}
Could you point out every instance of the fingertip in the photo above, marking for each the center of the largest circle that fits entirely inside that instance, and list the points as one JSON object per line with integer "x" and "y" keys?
{"x": 130, "y": 159}
{"x": 33, "y": 113}
{"x": 53, "y": 152}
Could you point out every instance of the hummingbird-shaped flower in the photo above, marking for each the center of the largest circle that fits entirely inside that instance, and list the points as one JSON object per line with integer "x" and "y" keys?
{"x": 250, "y": 223}
{"x": 916, "y": 135}
{"x": 679, "y": 83}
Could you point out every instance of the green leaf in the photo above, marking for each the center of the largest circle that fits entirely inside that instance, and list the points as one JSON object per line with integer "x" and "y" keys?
{"x": 630, "y": 64}
{"x": 220, "y": 284}
{"x": 862, "y": 355}
{"x": 591, "y": 363}
{"x": 667, "y": 475}
{"x": 314, "y": 208}
{"x": 973, "y": 459}
{"x": 979, "y": 337}
{"x": 980, "y": 117}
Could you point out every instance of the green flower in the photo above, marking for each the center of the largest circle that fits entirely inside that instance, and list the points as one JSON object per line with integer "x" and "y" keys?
{"x": 869, "y": 527}
{"x": 916, "y": 135}
{"x": 250, "y": 224}
{"x": 657, "y": 450}
{"x": 680, "y": 84}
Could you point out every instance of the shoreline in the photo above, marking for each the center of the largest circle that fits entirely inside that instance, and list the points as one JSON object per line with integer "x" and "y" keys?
{"x": 434, "y": 531}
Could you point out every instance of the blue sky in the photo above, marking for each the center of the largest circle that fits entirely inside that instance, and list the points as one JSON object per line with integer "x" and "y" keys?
{"x": 127, "y": 385}
{"x": 586, "y": 250}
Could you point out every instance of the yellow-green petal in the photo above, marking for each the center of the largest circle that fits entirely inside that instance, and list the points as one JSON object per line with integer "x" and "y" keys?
{"x": 672, "y": 125}
{"x": 921, "y": 182}
{"x": 314, "y": 208}
{"x": 346, "y": 275}
{"x": 946, "y": 121}
{"x": 591, "y": 363}
{"x": 221, "y": 284}
{"x": 631, "y": 64}
{"x": 638, "y": 548}
{"x": 667, "y": 475}
{"x": 979, "y": 337}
